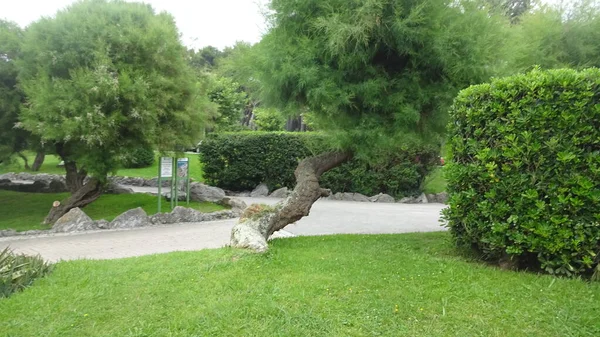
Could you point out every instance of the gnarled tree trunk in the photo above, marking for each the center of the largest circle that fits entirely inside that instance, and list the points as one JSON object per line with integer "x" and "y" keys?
{"x": 38, "y": 161}
{"x": 82, "y": 193}
{"x": 258, "y": 222}
{"x": 24, "y": 160}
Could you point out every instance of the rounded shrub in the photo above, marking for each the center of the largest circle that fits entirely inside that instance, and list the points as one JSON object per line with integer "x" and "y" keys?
{"x": 524, "y": 172}
{"x": 140, "y": 157}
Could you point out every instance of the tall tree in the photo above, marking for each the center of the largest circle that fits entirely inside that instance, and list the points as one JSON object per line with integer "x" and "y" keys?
{"x": 103, "y": 78}
{"x": 559, "y": 36}
{"x": 12, "y": 138}
{"x": 375, "y": 72}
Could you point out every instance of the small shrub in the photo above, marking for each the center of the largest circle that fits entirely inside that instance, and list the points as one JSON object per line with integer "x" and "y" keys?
{"x": 241, "y": 161}
{"x": 18, "y": 271}
{"x": 524, "y": 172}
{"x": 140, "y": 157}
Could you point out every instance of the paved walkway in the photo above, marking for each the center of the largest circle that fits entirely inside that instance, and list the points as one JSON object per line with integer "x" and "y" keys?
{"x": 327, "y": 217}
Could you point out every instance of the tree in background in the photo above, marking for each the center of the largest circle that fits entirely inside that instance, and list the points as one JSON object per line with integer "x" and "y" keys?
{"x": 103, "y": 78}
{"x": 205, "y": 58}
{"x": 557, "y": 37}
{"x": 12, "y": 139}
{"x": 377, "y": 73}
{"x": 269, "y": 119}
{"x": 231, "y": 101}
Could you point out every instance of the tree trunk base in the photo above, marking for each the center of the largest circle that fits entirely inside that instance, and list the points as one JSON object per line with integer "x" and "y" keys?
{"x": 259, "y": 222}
{"x": 39, "y": 160}
{"x": 87, "y": 194}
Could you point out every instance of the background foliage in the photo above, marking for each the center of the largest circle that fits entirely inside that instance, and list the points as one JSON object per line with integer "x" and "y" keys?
{"x": 241, "y": 161}
{"x": 524, "y": 177}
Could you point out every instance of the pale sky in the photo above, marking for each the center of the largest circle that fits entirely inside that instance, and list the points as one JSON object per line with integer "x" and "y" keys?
{"x": 218, "y": 23}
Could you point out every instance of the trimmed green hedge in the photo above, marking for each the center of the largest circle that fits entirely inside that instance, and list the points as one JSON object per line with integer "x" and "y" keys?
{"x": 524, "y": 172}
{"x": 140, "y": 157}
{"x": 241, "y": 161}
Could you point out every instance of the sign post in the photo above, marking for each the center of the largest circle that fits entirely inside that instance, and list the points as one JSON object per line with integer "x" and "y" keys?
{"x": 165, "y": 170}
{"x": 183, "y": 173}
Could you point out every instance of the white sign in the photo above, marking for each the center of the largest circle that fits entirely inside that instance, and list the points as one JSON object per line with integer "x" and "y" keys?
{"x": 166, "y": 167}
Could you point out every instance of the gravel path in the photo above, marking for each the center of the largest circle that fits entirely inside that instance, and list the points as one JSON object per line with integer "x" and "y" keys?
{"x": 327, "y": 217}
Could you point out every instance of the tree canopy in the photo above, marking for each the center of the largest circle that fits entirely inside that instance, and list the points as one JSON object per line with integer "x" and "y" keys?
{"x": 11, "y": 139}
{"x": 103, "y": 78}
{"x": 379, "y": 71}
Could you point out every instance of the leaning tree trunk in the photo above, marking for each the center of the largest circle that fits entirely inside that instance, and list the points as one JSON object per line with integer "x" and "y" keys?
{"x": 24, "y": 160}
{"x": 259, "y": 221}
{"x": 38, "y": 161}
{"x": 82, "y": 192}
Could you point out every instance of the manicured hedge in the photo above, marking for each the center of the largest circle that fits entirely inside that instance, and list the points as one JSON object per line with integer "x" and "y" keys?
{"x": 241, "y": 161}
{"x": 524, "y": 173}
{"x": 140, "y": 157}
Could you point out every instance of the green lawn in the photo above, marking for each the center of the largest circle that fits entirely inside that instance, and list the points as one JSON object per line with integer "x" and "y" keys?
{"x": 380, "y": 285}
{"x": 25, "y": 211}
{"x": 51, "y": 162}
{"x": 435, "y": 182}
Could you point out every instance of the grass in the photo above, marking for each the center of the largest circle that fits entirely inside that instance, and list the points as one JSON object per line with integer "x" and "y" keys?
{"x": 51, "y": 162}
{"x": 435, "y": 183}
{"x": 353, "y": 285}
{"x": 26, "y": 211}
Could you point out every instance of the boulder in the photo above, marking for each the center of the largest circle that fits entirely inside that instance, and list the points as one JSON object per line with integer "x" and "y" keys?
{"x": 24, "y": 176}
{"x": 133, "y": 218}
{"x": 57, "y": 186}
{"x": 345, "y": 196}
{"x": 243, "y": 236}
{"x": 261, "y": 190}
{"x": 102, "y": 224}
{"x": 114, "y": 188}
{"x": 74, "y": 221}
{"x": 280, "y": 193}
{"x": 8, "y": 176}
{"x": 383, "y": 198}
{"x": 154, "y": 182}
{"x": 181, "y": 196}
{"x": 201, "y": 192}
{"x": 8, "y": 232}
{"x": 440, "y": 198}
{"x": 421, "y": 199}
{"x": 235, "y": 204}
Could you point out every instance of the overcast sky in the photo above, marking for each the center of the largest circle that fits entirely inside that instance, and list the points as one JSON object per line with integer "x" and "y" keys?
{"x": 218, "y": 23}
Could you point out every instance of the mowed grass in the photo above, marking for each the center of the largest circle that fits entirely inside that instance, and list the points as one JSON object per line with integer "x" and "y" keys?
{"x": 435, "y": 182}
{"x": 25, "y": 211}
{"x": 353, "y": 285}
{"x": 51, "y": 162}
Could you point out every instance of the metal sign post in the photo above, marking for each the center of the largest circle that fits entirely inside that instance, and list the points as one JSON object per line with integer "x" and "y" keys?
{"x": 165, "y": 170}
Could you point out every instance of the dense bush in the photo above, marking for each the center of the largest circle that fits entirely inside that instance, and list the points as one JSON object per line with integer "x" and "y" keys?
{"x": 18, "y": 271}
{"x": 140, "y": 157}
{"x": 241, "y": 161}
{"x": 524, "y": 177}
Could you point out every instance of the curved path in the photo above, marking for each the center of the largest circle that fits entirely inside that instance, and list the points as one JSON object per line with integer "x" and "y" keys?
{"x": 327, "y": 217}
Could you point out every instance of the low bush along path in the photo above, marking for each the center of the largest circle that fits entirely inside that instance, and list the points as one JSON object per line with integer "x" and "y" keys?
{"x": 343, "y": 285}
{"x": 327, "y": 217}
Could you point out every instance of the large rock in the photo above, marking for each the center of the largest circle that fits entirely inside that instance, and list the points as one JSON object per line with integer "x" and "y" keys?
{"x": 261, "y": 190}
{"x": 421, "y": 199}
{"x": 280, "y": 193}
{"x": 201, "y": 192}
{"x": 349, "y": 197}
{"x": 114, "y": 188}
{"x": 74, "y": 221}
{"x": 8, "y": 232}
{"x": 243, "y": 236}
{"x": 183, "y": 214}
{"x": 440, "y": 198}
{"x": 8, "y": 176}
{"x": 238, "y": 206}
{"x": 133, "y": 218}
{"x": 102, "y": 224}
{"x": 383, "y": 198}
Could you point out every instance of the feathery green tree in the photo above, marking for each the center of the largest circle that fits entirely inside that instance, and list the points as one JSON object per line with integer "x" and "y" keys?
{"x": 103, "y": 78}
{"x": 376, "y": 73}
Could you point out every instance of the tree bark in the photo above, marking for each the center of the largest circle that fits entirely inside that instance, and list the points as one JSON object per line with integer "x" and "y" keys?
{"x": 258, "y": 222}
{"x": 82, "y": 193}
{"x": 39, "y": 160}
{"x": 24, "y": 160}
{"x": 85, "y": 195}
